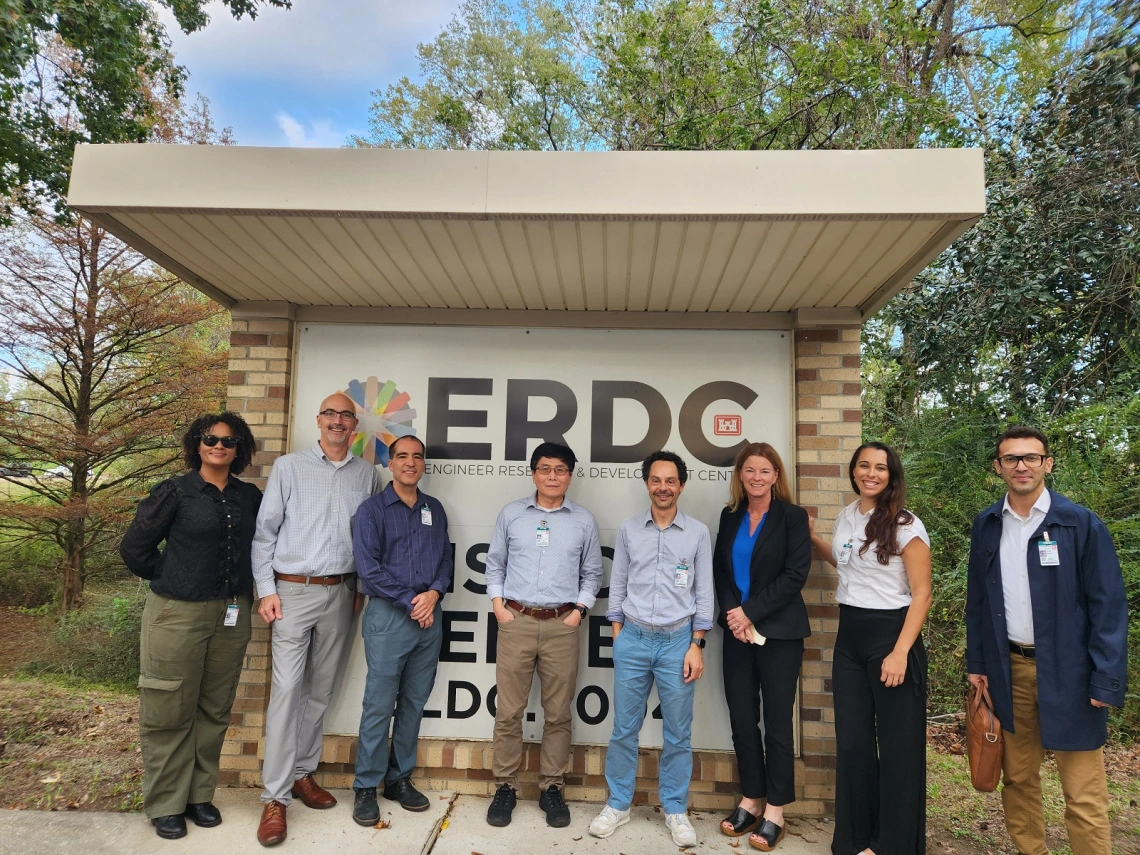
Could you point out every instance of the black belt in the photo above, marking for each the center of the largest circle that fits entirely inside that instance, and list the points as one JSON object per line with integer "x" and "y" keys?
{"x": 1029, "y": 652}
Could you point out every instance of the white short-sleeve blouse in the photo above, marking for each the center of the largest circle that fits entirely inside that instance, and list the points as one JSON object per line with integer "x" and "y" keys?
{"x": 863, "y": 581}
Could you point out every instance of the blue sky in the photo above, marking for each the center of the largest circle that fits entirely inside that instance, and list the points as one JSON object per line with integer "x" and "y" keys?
{"x": 305, "y": 76}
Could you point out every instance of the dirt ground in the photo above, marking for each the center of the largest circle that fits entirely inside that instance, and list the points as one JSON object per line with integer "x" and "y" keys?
{"x": 63, "y": 748}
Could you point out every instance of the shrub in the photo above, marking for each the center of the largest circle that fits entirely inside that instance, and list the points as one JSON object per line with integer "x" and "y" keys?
{"x": 29, "y": 573}
{"x": 98, "y": 643}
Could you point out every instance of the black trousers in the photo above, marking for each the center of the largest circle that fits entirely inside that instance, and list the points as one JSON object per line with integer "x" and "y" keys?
{"x": 765, "y": 676}
{"x": 880, "y": 738}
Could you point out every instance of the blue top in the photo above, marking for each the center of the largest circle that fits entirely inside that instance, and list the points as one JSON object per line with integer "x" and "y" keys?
{"x": 567, "y": 569}
{"x": 400, "y": 551}
{"x": 742, "y": 555}
{"x": 644, "y": 575}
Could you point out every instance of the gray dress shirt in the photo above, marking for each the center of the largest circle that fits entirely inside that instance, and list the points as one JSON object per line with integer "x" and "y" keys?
{"x": 645, "y": 573}
{"x": 304, "y": 527}
{"x": 569, "y": 570}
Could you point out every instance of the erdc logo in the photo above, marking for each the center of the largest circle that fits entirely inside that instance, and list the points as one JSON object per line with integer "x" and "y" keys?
{"x": 726, "y": 426}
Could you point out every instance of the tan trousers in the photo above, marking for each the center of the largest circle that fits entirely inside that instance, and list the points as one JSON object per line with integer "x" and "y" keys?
{"x": 527, "y": 644}
{"x": 1082, "y": 779}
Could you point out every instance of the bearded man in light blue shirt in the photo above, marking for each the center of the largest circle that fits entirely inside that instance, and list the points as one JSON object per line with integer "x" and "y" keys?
{"x": 661, "y": 606}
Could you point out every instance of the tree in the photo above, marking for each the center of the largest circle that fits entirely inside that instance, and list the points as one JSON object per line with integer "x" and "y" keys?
{"x": 100, "y": 343}
{"x": 75, "y": 71}
{"x": 721, "y": 74}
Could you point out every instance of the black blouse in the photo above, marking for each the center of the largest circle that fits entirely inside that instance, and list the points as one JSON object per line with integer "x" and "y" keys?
{"x": 208, "y": 534}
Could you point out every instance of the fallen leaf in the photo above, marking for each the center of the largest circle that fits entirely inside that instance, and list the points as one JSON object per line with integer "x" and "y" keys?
{"x": 384, "y": 823}
{"x": 52, "y": 779}
{"x": 444, "y": 824}
{"x": 98, "y": 708}
{"x": 735, "y": 844}
{"x": 578, "y": 838}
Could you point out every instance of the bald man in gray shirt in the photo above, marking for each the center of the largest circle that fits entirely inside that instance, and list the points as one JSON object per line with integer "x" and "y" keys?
{"x": 305, "y": 576}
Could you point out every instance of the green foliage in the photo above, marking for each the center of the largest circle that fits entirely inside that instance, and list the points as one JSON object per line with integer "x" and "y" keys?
{"x": 98, "y": 643}
{"x": 719, "y": 74}
{"x": 74, "y": 71}
{"x": 29, "y": 573}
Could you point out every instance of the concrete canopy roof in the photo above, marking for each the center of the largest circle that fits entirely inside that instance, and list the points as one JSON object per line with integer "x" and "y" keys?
{"x": 713, "y": 239}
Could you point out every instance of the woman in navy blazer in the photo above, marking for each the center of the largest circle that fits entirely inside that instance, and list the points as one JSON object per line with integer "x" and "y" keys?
{"x": 760, "y": 564}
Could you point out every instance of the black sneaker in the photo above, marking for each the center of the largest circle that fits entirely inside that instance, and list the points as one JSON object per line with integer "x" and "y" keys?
{"x": 408, "y": 796}
{"x": 499, "y": 813}
{"x": 365, "y": 811}
{"x": 551, "y": 801}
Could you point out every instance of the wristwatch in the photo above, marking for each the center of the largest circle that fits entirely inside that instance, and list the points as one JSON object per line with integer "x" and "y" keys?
{"x": 700, "y": 642}
{"x": 582, "y": 610}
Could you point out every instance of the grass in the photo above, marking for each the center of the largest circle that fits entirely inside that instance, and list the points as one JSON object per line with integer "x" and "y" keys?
{"x": 972, "y": 823}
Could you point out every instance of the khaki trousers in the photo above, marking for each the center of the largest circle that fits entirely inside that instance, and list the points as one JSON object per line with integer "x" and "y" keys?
{"x": 190, "y": 663}
{"x": 1082, "y": 776}
{"x": 525, "y": 645}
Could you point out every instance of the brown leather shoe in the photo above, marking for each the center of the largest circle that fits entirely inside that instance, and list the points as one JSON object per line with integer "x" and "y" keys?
{"x": 312, "y": 794}
{"x": 271, "y": 830}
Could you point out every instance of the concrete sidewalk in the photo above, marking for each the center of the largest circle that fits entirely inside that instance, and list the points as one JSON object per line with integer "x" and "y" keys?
{"x": 453, "y": 825}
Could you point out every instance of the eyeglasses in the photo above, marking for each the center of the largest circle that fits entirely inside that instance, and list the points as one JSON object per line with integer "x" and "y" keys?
{"x": 345, "y": 415}
{"x": 1010, "y": 461}
{"x": 560, "y": 471}
{"x": 209, "y": 440}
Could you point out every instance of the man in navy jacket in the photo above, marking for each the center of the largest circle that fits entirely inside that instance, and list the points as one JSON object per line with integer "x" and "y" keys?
{"x": 1046, "y": 631}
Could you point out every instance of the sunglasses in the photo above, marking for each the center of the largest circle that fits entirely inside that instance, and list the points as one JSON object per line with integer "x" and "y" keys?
{"x": 209, "y": 440}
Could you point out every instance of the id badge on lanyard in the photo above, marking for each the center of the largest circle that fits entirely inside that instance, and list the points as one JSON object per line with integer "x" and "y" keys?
{"x": 542, "y": 535}
{"x": 1047, "y": 551}
{"x": 425, "y": 515}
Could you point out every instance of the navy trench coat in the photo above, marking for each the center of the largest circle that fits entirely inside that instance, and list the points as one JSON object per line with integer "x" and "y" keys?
{"x": 1080, "y": 624}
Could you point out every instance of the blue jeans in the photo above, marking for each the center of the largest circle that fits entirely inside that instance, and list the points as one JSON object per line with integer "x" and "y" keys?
{"x": 640, "y": 658}
{"x": 402, "y": 661}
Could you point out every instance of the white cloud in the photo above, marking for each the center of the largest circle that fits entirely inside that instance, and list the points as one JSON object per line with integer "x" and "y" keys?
{"x": 319, "y": 133}
{"x": 329, "y": 41}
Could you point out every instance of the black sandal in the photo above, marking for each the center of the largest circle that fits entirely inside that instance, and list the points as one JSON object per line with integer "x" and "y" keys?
{"x": 770, "y": 834}
{"x": 741, "y": 821}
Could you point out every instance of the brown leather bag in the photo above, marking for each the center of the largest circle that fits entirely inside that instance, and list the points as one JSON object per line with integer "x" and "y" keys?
{"x": 983, "y": 740}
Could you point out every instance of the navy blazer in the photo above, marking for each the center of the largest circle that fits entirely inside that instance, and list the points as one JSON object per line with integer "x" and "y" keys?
{"x": 781, "y": 558}
{"x": 1080, "y": 624}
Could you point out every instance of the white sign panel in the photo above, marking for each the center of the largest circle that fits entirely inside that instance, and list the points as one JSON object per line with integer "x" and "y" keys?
{"x": 482, "y": 399}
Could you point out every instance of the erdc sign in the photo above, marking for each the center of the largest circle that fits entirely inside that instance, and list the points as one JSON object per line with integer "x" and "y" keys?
{"x": 482, "y": 399}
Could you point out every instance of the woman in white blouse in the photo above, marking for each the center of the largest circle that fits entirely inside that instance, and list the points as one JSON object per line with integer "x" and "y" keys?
{"x": 882, "y": 553}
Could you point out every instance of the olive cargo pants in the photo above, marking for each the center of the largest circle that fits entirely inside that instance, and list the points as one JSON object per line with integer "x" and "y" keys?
{"x": 189, "y": 663}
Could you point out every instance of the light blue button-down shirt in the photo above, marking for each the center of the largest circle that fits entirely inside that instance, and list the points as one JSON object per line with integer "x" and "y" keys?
{"x": 304, "y": 526}
{"x": 569, "y": 570}
{"x": 643, "y": 579}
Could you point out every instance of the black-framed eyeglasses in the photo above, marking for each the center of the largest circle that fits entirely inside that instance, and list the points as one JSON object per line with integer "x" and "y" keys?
{"x": 209, "y": 440}
{"x": 1010, "y": 461}
{"x": 345, "y": 415}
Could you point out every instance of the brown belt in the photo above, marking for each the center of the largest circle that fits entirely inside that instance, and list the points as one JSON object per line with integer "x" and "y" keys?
{"x": 541, "y": 614}
{"x": 313, "y": 580}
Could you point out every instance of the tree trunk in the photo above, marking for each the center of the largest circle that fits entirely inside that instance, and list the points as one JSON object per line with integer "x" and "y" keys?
{"x": 72, "y": 596}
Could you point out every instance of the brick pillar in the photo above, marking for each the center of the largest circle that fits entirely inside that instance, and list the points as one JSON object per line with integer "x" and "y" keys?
{"x": 828, "y": 430}
{"x": 260, "y": 372}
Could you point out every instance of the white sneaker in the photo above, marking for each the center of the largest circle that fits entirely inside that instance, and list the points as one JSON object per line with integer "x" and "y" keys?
{"x": 607, "y": 822}
{"x": 681, "y": 829}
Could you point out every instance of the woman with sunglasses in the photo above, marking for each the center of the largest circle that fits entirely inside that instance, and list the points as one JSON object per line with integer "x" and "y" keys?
{"x": 196, "y": 620}
{"x": 882, "y": 553}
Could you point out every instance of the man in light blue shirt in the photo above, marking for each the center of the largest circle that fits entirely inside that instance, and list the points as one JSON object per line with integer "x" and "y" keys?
{"x": 544, "y": 568}
{"x": 661, "y": 606}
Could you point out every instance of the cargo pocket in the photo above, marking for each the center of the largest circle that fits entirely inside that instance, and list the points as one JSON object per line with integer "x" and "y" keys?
{"x": 161, "y": 704}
